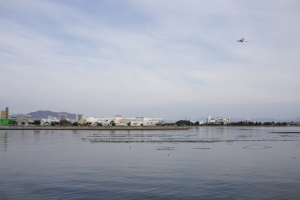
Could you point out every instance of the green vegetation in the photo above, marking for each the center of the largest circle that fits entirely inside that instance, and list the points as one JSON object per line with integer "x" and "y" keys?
{"x": 8, "y": 121}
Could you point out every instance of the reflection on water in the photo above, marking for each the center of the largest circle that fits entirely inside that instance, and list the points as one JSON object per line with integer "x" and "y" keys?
{"x": 227, "y": 162}
{"x": 3, "y": 141}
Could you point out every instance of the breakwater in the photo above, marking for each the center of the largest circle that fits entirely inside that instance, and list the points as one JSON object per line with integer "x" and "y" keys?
{"x": 94, "y": 128}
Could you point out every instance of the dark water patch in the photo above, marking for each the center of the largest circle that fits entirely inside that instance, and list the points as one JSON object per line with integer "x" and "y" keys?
{"x": 165, "y": 148}
{"x": 257, "y": 147}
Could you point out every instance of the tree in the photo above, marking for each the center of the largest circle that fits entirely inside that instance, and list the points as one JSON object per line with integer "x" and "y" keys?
{"x": 63, "y": 122}
{"x": 169, "y": 124}
{"x": 112, "y": 123}
{"x": 86, "y": 123}
{"x": 37, "y": 122}
{"x": 23, "y": 123}
{"x": 75, "y": 124}
{"x": 54, "y": 123}
{"x": 12, "y": 122}
{"x": 184, "y": 123}
{"x": 99, "y": 124}
{"x": 267, "y": 124}
{"x": 129, "y": 124}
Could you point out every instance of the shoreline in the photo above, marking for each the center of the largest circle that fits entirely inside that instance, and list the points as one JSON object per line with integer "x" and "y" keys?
{"x": 94, "y": 128}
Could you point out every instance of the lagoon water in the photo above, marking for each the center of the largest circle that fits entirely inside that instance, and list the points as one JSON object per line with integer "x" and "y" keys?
{"x": 241, "y": 163}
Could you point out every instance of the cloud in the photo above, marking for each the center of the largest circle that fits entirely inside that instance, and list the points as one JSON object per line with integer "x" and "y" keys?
{"x": 173, "y": 58}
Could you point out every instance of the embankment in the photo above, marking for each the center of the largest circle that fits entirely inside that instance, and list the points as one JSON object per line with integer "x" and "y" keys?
{"x": 94, "y": 128}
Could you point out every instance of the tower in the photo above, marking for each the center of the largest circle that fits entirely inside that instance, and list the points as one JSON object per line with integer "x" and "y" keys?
{"x": 208, "y": 119}
{"x": 6, "y": 112}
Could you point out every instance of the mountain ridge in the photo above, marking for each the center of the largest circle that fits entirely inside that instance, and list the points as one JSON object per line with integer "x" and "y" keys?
{"x": 45, "y": 113}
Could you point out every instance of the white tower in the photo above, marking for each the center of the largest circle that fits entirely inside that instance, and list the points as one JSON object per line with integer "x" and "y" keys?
{"x": 208, "y": 119}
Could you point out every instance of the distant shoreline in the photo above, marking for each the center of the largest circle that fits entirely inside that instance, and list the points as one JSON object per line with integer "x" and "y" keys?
{"x": 100, "y": 128}
{"x": 94, "y": 128}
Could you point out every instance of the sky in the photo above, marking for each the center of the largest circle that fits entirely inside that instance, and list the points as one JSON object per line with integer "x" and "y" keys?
{"x": 173, "y": 59}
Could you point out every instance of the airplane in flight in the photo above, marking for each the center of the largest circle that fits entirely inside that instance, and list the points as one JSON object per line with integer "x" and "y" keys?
{"x": 242, "y": 40}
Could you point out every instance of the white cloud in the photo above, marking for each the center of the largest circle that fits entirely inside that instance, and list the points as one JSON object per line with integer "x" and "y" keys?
{"x": 181, "y": 56}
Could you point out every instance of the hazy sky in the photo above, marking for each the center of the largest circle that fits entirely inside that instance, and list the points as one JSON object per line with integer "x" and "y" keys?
{"x": 155, "y": 58}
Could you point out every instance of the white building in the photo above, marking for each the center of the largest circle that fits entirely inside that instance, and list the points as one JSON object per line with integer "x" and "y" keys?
{"x": 25, "y": 120}
{"x": 119, "y": 121}
{"x": 201, "y": 122}
{"x": 47, "y": 122}
{"x": 208, "y": 119}
{"x": 217, "y": 120}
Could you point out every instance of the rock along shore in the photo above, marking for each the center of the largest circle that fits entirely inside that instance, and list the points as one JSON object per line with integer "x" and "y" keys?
{"x": 94, "y": 128}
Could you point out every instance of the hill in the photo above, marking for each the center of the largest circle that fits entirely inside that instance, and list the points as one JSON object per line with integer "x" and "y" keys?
{"x": 44, "y": 114}
{"x": 16, "y": 115}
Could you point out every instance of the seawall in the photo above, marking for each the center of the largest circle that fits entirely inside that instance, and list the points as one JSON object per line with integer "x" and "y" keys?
{"x": 94, "y": 128}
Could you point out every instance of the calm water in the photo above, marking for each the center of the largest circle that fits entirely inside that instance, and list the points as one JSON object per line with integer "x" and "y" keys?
{"x": 66, "y": 165}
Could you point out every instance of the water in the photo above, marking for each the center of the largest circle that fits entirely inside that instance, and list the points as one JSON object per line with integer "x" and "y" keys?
{"x": 241, "y": 163}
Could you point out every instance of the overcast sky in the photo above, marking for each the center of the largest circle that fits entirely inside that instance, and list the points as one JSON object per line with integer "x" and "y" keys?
{"x": 155, "y": 58}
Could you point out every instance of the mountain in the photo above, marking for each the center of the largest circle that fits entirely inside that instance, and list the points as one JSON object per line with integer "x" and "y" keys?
{"x": 44, "y": 114}
{"x": 16, "y": 115}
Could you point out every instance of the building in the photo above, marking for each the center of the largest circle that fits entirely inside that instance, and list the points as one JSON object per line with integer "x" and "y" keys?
{"x": 4, "y": 114}
{"x": 119, "y": 121}
{"x": 62, "y": 117}
{"x": 209, "y": 119}
{"x": 48, "y": 121}
{"x": 23, "y": 120}
{"x": 79, "y": 117}
{"x": 217, "y": 120}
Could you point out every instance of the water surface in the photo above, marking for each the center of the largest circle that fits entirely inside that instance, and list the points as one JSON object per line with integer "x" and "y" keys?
{"x": 244, "y": 163}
